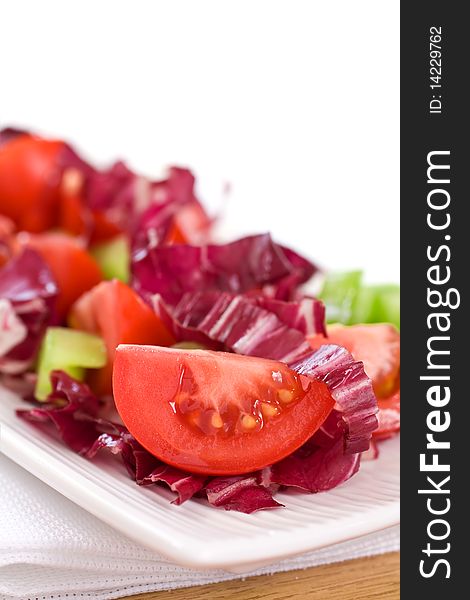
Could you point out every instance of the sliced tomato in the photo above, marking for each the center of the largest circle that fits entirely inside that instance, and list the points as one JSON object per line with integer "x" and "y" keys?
{"x": 103, "y": 229}
{"x": 72, "y": 217}
{"x": 175, "y": 236}
{"x": 115, "y": 312}
{"x": 215, "y": 412}
{"x": 75, "y": 217}
{"x": 74, "y": 270}
{"x": 377, "y": 345}
{"x": 30, "y": 175}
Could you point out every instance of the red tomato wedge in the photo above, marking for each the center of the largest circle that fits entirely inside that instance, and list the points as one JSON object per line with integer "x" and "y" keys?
{"x": 377, "y": 345}
{"x": 214, "y": 412}
{"x": 75, "y": 217}
{"x": 30, "y": 177}
{"x": 74, "y": 270}
{"x": 103, "y": 229}
{"x": 115, "y": 312}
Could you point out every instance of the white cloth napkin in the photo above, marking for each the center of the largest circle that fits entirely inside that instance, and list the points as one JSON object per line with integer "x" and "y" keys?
{"x": 50, "y": 548}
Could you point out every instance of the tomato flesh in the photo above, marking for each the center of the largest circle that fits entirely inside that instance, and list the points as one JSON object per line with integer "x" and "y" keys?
{"x": 29, "y": 182}
{"x": 74, "y": 270}
{"x": 116, "y": 313}
{"x": 214, "y": 412}
{"x": 377, "y": 345}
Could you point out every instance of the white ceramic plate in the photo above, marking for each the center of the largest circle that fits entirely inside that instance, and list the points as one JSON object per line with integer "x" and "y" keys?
{"x": 194, "y": 534}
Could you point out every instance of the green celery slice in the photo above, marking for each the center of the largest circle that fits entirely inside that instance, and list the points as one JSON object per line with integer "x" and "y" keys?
{"x": 387, "y": 306}
{"x": 70, "y": 351}
{"x": 339, "y": 293}
{"x": 114, "y": 258}
{"x": 364, "y": 306}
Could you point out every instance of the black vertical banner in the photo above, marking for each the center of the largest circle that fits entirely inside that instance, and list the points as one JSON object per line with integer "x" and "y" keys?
{"x": 435, "y": 326}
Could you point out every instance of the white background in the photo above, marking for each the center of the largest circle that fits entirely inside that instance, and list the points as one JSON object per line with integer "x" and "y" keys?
{"x": 295, "y": 103}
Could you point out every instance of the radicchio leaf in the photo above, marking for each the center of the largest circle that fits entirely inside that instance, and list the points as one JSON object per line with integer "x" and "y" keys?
{"x": 307, "y": 314}
{"x": 22, "y": 385}
{"x": 320, "y": 464}
{"x": 243, "y": 494}
{"x": 186, "y": 485}
{"x": 350, "y": 388}
{"x": 28, "y": 294}
{"x": 301, "y": 271}
{"x": 173, "y": 203}
{"x": 372, "y": 453}
{"x": 10, "y": 133}
{"x": 117, "y": 440}
{"x": 246, "y": 264}
{"x": 71, "y": 407}
{"x": 145, "y": 209}
{"x": 235, "y": 322}
{"x": 317, "y": 466}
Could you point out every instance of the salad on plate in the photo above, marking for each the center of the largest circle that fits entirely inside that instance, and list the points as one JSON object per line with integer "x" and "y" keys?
{"x": 204, "y": 366}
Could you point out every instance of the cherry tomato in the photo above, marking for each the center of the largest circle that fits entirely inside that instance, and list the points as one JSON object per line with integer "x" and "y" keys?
{"x": 74, "y": 270}
{"x": 30, "y": 175}
{"x": 115, "y": 312}
{"x": 103, "y": 229}
{"x": 377, "y": 345}
{"x": 215, "y": 412}
{"x": 75, "y": 217}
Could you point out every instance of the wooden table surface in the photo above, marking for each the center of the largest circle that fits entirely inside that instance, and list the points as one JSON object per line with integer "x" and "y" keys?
{"x": 372, "y": 578}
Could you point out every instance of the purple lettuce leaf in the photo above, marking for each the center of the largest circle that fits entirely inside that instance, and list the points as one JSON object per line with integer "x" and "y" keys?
{"x": 10, "y": 133}
{"x": 72, "y": 408}
{"x": 142, "y": 466}
{"x": 167, "y": 199}
{"x": 143, "y": 208}
{"x": 307, "y": 314}
{"x": 372, "y": 453}
{"x": 351, "y": 389}
{"x": 234, "y": 322}
{"x": 301, "y": 271}
{"x": 186, "y": 485}
{"x": 22, "y": 385}
{"x": 28, "y": 294}
{"x": 249, "y": 263}
{"x": 320, "y": 464}
{"x": 240, "y": 493}
{"x": 118, "y": 441}
{"x": 317, "y": 466}
{"x": 107, "y": 189}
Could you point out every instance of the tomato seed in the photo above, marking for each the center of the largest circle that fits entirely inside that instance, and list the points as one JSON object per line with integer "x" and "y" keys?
{"x": 248, "y": 422}
{"x": 216, "y": 421}
{"x": 285, "y": 396}
{"x": 269, "y": 410}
